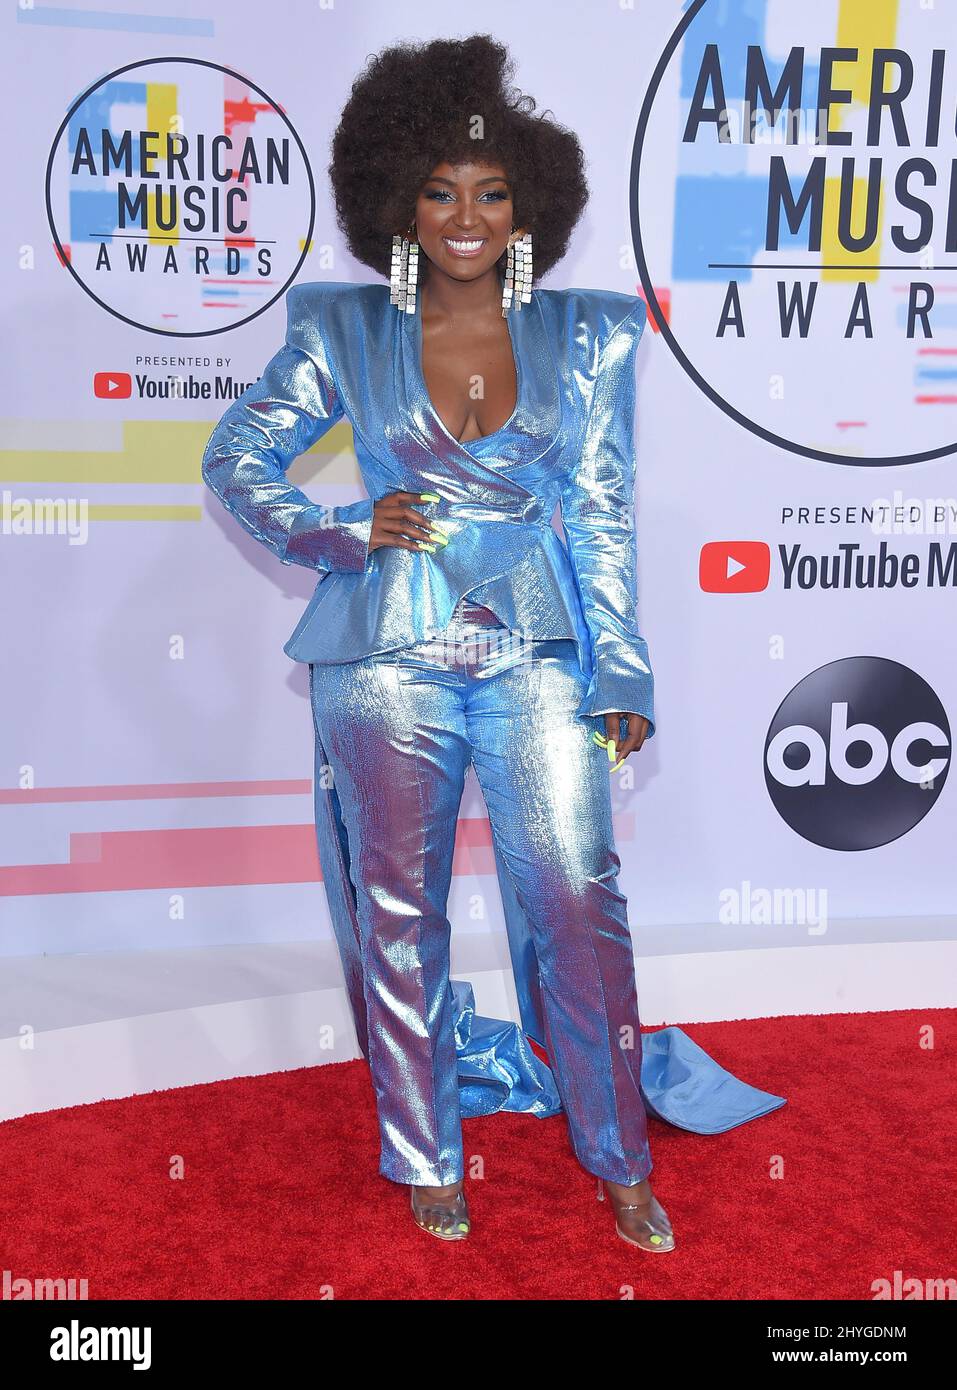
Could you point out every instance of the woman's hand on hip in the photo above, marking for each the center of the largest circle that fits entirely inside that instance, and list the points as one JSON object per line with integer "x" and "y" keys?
{"x": 395, "y": 521}
{"x": 636, "y": 728}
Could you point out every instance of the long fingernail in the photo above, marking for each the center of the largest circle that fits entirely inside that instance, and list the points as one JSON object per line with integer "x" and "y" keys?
{"x": 599, "y": 738}
{"x": 430, "y": 497}
{"x": 610, "y": 747}
{"x": 620, "y": 763}
{"x": 424, "y": 545}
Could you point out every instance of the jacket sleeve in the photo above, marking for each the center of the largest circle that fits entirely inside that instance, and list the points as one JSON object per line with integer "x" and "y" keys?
{"x": 598, "y": 518}
{"x": 275, "y": 420}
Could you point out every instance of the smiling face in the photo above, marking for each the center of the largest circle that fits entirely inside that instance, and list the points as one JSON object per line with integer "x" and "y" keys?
{"x": 463, "y": 218}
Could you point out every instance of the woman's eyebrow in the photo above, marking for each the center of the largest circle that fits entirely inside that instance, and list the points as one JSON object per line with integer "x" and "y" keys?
{"x": 439, "y": 178}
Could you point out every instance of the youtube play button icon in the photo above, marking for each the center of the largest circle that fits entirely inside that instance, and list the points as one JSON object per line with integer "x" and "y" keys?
{"x": 734, "y": 567}
{"x": 112, "y": 386}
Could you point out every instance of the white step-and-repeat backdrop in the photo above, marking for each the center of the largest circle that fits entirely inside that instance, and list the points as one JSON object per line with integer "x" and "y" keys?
{"x": 780, "y": 182}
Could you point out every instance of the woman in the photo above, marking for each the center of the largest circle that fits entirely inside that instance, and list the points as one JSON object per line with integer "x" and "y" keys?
{"x": 451, "y": 625}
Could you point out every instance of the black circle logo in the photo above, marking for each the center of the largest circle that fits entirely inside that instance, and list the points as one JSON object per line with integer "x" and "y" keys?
{"x": 857, "y": 753}
{"x": 180, "y": 197}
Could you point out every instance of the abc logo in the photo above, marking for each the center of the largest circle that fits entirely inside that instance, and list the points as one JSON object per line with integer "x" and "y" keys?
{"x": 857, "y": 753}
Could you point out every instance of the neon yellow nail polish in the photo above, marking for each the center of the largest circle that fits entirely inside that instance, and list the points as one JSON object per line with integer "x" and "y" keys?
{"x": 620, "y": 763}
{"x": 424, "y": 546}
{"x": 440, "y": 537}
{"x": 429, "y": 497}
{"x": 611, "y": 749}
{"x": 599, "y": 739}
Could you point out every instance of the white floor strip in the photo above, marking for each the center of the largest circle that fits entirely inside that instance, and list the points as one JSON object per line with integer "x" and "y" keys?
{"x": 66, "y": 1042}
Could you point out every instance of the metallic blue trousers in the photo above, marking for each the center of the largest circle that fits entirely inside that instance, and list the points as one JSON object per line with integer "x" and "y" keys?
{"x": 400, "y": 729}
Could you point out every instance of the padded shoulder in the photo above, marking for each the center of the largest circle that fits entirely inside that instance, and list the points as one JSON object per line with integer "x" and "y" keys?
{"x": 608, "y": 310}
{"x": 321, "y": 309}
{"x": 591, "y": 317}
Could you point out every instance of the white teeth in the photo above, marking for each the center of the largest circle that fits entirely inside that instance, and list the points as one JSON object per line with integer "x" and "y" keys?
{"x": 465, "y": 245}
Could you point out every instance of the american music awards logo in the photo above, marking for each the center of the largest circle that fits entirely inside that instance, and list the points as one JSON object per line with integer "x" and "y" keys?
{"x": 794, "y": 218}
{"x": 180, "y": 196}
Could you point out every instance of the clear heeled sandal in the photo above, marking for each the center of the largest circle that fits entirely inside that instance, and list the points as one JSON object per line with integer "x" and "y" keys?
{"x": 445, "y": 1218}
{"x": 655, "y": 1234}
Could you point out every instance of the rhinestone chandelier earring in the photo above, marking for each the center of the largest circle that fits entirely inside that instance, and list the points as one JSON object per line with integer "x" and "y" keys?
{"x": 517, "y": 287}
{"x": 404, "y": 272}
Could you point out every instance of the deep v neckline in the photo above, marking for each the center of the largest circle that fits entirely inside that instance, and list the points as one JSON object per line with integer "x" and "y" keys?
{"x": 417, "y": 344}
{"x": 529, "y": 433}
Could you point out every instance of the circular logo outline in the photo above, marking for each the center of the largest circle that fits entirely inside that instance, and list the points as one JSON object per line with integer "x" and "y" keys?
{"x": 65, "y": 259}
{"x": 825, "y": 455}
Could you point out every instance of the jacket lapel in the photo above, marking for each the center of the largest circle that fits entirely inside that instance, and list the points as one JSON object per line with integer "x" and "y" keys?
{"x": 532, "y": 429}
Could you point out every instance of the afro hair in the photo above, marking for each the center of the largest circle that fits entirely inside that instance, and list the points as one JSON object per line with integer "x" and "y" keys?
{"x": 417, "y": 105}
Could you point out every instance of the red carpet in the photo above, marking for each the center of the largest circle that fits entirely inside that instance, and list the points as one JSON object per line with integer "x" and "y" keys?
{"x": 281, "y": 1197}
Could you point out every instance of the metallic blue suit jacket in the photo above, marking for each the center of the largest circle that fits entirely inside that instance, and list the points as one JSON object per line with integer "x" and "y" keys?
{"x": 350, "y": 354}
